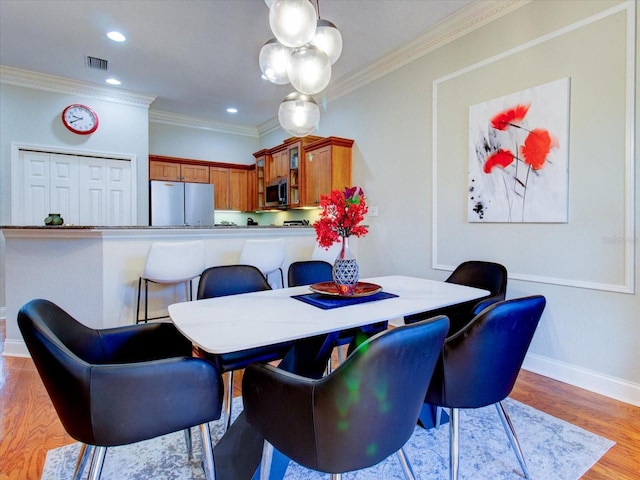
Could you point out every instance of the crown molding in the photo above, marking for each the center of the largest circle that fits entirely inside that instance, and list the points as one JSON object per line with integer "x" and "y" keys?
{"x": 461, "y": 23}
{"x": 269, "y": 126}
{"x": 156, "y": 116}
{"x": 52, "y": 83}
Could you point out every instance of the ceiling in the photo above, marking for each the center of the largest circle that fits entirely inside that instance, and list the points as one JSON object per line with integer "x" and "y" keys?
{"x": 198, "y": 57}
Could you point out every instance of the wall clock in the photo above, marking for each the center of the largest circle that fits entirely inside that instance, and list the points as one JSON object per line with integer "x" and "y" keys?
{"x": 80, "y": 119}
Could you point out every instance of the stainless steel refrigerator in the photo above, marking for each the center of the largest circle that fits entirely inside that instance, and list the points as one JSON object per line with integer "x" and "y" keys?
{"x": 179, "y": 203}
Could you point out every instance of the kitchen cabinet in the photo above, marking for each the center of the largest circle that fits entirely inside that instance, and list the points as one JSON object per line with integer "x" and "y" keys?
{"x": 230, "y": 188}
{"x": 231, "y": 182}
{"x": 282, "y": 161}
{"x": 277, "y": 163}
{"x": 178, "y": 172}
{"x": 260, "y": 179}
{"x": 325, "y": 166}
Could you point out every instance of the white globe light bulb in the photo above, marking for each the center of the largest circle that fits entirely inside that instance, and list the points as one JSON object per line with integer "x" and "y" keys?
{"x": 328, "y": 39}
{"x": 293, "y": 22}
{"x": 274, "y": 59}
{"x": 298, "y": 114}
{"x": 309, "y": 70}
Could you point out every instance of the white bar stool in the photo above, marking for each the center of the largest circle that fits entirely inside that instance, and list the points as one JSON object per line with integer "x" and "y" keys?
{"x": 266, "y": 255}
{"x": 170, "y": 263}
{"x": 327, "y": 255}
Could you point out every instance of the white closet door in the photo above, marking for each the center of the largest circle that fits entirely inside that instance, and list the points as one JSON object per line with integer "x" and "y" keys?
{"x": 64, "y": 187}
{"x": 105, "y": 192}
{"x": 118, "y": 184}
{"x": 84, "y": 189}
{"x": 35, "y": 198}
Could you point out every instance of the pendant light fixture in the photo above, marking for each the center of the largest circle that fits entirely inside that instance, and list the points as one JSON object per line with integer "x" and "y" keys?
{"x": 302, "y": 52}
{"x": 309, "y": 70}
{"x": 328, "y": 39}
{"x": 293, "y": 22}
{"x": 274, "y": 59}
{"x": 298, "y": 114}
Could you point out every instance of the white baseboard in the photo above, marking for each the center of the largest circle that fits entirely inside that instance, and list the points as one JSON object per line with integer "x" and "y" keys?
{"x": 606, "y": 385}
{"x": 15, "y": 348}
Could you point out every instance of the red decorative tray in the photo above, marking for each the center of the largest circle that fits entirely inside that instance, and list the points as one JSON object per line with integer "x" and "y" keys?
{"x": 363, "y": 289}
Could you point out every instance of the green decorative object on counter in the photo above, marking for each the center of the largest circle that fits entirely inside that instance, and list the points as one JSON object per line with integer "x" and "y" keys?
{"x": 53, "y": 219}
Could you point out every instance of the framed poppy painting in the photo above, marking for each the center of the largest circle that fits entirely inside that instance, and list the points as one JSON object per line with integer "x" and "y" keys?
{"x": 519, "y": 156}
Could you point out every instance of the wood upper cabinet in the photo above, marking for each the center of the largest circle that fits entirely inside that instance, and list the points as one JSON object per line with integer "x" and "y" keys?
{"x": 164, "y": 171}
{"x": 260, "y": 177}
{"x": 230, "y": 188}
{"x": 177, "y": 171}
{"x": 219, "y": 177}
{"x": 231, "y": 182}
{"x": 313, "y": 165}
{"x": 277, "y": 163}
{"x": 194, "y": 173}
{"x": 325, "y": 166}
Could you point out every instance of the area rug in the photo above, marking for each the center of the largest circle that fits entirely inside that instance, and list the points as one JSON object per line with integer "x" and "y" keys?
{"x": 553, "y": 448}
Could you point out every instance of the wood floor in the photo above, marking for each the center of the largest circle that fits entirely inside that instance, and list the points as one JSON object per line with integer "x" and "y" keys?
{"x": 29, "y": 425}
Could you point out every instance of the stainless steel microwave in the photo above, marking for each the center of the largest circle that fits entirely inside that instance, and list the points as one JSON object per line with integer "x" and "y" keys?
{"x": 275, "y": 193}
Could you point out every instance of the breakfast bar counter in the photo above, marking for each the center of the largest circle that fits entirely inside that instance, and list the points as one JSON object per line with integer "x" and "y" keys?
{"x": 92, "y": 272}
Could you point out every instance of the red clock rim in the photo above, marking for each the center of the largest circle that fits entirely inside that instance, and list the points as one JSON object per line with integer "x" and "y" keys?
{"x": 80, "y": 132}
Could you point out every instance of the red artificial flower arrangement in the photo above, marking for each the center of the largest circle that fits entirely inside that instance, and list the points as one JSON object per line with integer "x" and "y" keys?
{"x": 341, "y": 215}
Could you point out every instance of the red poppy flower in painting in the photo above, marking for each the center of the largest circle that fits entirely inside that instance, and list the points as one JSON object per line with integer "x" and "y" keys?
{"x": 510, "y": 117}
{"x": 536, "y": 147}
{"x": 501, "y": 158}
{"x": 532, "y": 153}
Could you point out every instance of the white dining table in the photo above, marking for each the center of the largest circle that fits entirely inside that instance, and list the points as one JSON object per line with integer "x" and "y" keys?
{"x": 238, "y": 322}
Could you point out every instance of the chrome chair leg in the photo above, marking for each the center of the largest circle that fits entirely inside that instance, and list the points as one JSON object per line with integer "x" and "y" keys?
{"x": 513, "y": 438}
{"x": 97, "y": 463}
{"x": 228, "y": 399}
{"x": 188, "y": 442}
{"x": 207, "y": 452}
{"x": 138, "y": 302}
{"x": 146, "y": 300}
{"x": 454, "y": 443}
{"x": 267, "y": 458}
{"x": 406, "y": 465}
{"x": 83, "y": 457}
{"x": 336, "y": 476}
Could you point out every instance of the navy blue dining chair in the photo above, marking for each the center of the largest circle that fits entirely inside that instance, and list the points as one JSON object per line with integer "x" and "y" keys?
{"x": 226, "y": 280}
{"x": 355, "y": 417}
{"x": 479, "y": 366}
{"x": 308, "y": 272}
{"x": 120, "y": 385}
{"x": 489, "y": 276}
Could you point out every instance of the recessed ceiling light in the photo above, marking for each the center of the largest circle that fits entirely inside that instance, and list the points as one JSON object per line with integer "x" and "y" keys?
{"x": 232, "y": 110}
{"x": 113, "y": 81}
{"x": 116, "y": 36}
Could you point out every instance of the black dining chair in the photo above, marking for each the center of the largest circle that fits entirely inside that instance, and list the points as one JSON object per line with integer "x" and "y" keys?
{"x": 480, "y": 363}
{"x": 120, "y": 385}
{"x": 226, "y": 280}
{"x": 308, "y": 272}
{"x": 474, "y": 273}
{"x": 358, "y": 415}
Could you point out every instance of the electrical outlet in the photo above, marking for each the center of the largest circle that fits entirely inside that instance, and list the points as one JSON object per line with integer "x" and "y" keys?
{"x": 373, "y": 211}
